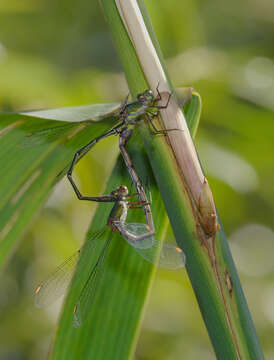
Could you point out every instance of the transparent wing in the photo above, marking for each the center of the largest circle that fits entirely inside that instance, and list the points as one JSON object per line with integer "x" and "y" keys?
{"x": 138, "y": 229}
{"x": 93, "y": 112}
{"x": 57, "y": 283}
{"x": 46, "y": 135}
{"x": 88, "y": 292}
{"x": 165, "y": 255}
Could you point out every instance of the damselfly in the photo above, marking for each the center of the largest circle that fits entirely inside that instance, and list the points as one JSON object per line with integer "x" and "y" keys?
{"x": 130, "y": 114}
{"x": 165, "y": 254}
{"x": 145, "y": 108}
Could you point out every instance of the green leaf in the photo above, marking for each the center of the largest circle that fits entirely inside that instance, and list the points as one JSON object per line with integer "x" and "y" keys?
{"x": 32, "y": 161}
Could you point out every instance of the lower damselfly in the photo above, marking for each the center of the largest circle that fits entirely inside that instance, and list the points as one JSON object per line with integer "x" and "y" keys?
{"x": 138, "y": 235}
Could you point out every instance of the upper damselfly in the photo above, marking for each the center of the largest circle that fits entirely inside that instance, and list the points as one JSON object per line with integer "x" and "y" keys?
{"x": 129, "y": 114}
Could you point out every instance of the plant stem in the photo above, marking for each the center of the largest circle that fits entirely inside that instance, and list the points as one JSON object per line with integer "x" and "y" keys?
{"x": 185, "y": 190}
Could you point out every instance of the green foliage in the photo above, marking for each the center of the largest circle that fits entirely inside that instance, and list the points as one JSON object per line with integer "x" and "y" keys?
{"x": 69, "y": 60}
{"x": 33, "y": 159}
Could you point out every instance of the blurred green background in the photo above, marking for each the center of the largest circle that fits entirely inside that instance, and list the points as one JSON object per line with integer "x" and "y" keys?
{"x": 60, "y": 53}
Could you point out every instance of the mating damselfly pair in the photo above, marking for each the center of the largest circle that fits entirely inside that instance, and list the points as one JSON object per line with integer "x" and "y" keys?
{"x": 139, "y": 235}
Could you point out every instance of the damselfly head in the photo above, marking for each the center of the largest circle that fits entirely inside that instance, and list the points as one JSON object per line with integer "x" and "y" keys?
{"x": 120, "y": 191}
{"x": 145, "y": 97}
{"x": 123, "y": 190}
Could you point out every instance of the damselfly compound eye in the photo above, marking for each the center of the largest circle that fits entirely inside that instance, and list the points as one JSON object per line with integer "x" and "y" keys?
{"x": 148, "y": 95}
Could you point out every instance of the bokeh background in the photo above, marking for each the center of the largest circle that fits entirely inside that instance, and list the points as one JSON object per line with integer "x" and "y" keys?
{"x": 60, "y": 53}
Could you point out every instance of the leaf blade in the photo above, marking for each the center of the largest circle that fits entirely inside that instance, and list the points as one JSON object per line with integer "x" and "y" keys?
{"x": 29, "y": 174}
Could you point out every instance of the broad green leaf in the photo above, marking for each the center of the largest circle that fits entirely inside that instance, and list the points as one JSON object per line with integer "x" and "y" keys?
{"x": 32, "y": 161}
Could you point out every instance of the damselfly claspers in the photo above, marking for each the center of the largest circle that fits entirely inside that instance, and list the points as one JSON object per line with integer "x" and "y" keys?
{"x": 136, "y": 234}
